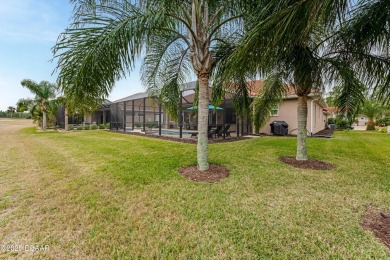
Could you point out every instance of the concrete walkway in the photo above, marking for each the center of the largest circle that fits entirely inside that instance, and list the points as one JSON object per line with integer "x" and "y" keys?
{"x": 359, "y": 127}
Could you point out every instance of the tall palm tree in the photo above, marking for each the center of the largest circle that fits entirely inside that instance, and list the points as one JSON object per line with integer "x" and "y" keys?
{"x": 291, "y": 44}
{"x": 179, "y": 38}
{"x": 44, "y": 91}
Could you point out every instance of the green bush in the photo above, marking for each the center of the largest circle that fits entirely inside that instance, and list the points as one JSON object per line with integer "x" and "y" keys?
{"x": 102, "y": 126}
{"x": 383, "y": 121}
{"x": 331, "y": 120}
{"x": 79, "y": 127}
{"x": 94, "y": 127}
{"x": 87, "y": 127}
{"x": 70, "y": 127}
{"x": 108, "y": 126}
{"x": 341, "y": 123}
{"x": 383, "y": 130}
{"x": 370, "y": 126}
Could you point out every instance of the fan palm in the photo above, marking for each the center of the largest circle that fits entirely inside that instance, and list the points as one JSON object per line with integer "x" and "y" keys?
{"x": 291, "y": 43}
{"x": 179, "y": 38}
{"x": 44, "y": 91}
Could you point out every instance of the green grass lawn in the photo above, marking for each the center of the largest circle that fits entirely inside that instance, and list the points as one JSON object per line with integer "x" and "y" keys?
{"x": 95, "y": 194}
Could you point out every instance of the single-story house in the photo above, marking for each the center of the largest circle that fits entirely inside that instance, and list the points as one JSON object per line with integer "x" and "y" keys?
{"x": 140, "y": 112}
{"x": 317, "y": 115}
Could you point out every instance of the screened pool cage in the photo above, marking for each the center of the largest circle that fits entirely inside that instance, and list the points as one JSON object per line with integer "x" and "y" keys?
{"x": 142, "y": 113}
{"x": 100, "y": 116}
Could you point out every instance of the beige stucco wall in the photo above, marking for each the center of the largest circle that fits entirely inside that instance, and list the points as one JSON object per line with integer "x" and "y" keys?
{"x": 288, "y": 113}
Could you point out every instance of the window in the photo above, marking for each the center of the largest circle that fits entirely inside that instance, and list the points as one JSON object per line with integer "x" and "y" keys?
{"x": 275, "y": 110}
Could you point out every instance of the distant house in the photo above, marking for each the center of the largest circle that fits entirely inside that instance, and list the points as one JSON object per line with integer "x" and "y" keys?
{"x": 332, "y": 111}
{"x": 361, "y": 120}
{"x": 317, "y": 114}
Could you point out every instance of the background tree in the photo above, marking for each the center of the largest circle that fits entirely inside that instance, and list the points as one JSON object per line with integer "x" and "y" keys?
{"x": 366, "y": 34}
{"x": 44, "y": 92}
{"x": 371, "y": 109}
{"x": 179, "y": 38}
{"x": 30, "y": 105}
{"x": 11, "y": 110}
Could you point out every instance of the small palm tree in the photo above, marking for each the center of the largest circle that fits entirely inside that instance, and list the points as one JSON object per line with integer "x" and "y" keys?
{"x": 11, "y": 110}
{"x": 178, "y": 37}
{"x": 44, "y": 92}
{"x": 371, "y": 109}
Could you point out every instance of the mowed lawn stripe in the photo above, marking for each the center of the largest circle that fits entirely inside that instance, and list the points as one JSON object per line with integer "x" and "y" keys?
{"x": 105, "y": 195}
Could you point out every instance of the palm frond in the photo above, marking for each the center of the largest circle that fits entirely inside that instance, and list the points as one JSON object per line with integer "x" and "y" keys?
{"x": 98, "y": 49}
{"x": 271, "y": 94}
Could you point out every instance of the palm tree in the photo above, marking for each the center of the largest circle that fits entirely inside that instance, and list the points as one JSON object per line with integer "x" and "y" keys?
{"x": 44, "y": 91}
{"x": 292, "y": 44}
{"x": 11, "y": 110}
{"x": 28, "y": 104}
{"x": 371, "y": 109}
{"x": 367, "y": 32}
{"x": 179, "y": 38}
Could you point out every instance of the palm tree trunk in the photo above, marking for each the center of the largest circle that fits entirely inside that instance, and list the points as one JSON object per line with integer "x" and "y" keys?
{"x": 66, "y": 119}
{"x": 43, "y": 121}
{"x": 203, "y": 113}
{"x": 302, "y": 129}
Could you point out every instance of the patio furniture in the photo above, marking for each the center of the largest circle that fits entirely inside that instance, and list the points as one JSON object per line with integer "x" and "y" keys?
{"x": 214, "y": 131}
{"x": 211, "y": 131}
{"x": 225, "y": 131}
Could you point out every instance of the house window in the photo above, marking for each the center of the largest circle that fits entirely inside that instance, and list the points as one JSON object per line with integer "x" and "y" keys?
{"x": 275, "y": 110}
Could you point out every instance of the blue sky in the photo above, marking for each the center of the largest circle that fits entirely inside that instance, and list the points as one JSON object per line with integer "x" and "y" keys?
{"x": 28, "y": 31}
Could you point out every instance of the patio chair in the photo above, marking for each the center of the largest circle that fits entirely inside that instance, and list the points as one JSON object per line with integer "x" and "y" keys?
{"x": 214, "y": 131}
{"x": 225, "y": 131}
{"x": 209, "y": 129}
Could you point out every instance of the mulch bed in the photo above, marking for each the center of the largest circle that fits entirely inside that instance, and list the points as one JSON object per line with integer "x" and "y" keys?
{"x": 378, "y": 222}
{"x": 215, "y": 173}
{"x": 183, "y": 140}
{"x": 309, "y": 164}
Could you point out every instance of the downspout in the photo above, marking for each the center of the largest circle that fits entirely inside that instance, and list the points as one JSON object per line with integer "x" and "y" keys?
{"x": 311, "y": 117}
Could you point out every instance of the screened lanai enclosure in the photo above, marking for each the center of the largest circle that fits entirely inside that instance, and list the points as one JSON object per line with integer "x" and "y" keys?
{"x": 100, "y": 116}
{"x": 142, "y": 113}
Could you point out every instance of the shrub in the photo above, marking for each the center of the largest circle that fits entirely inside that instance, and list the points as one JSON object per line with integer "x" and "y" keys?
{"x": 341, "y": 123}
{"x": 94, "y": 127}
{"x": 331, "y": 120}
{"x": 108, "y": 126}
{"x": 383, "y": 130}
{"x": 102, "y": 126}
{"x": 70, "y": 127}
{"x": 87, "y": 127}
{"x": 79, "y": 127}
{"x": 383, "y": 121}
{"x": 370, "y": 126}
